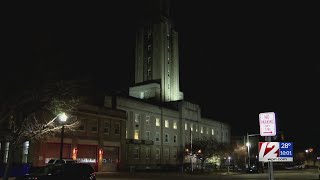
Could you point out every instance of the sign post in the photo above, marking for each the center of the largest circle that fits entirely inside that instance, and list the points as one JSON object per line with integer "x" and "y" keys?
{"x": 267, "y": 123}
{"x": 270, "y": 164}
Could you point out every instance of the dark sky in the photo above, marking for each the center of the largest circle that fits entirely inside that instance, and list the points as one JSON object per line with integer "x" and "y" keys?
{"x": 236, "y": 59}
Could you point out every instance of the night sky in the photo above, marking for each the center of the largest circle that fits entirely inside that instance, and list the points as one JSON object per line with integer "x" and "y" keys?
{"x": 236, "y": 60}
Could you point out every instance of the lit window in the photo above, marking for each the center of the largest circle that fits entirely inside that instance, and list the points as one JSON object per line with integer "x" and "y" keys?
{"x": 25, "y": 152}
{"x": 175, "y": 126}
{"x": 201, "y": 129}
{"x": 141, "y": 97}
{"x": 166, "y": 123}
{"x": 191, "y": 127}
{"x": 6, "y": 152}
{"x": 136, "y": 134}
{"x": 212, "y": 131}
{"x": 157, "y": 122}
{"x": 185, "y": 126}
{"x": 126, "y": 133}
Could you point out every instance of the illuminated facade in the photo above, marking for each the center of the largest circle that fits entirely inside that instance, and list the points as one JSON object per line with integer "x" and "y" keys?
{"x": 159, "y": 121}
{"x": 156, "y": 134}
{"x": 157, "y": 60}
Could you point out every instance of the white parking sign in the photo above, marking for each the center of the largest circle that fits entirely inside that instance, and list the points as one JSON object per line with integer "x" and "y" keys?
{"x": 267, "y": 123}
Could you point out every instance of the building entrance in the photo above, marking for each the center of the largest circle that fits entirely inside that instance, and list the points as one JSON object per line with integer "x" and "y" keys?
{"x": 110, "y": 158}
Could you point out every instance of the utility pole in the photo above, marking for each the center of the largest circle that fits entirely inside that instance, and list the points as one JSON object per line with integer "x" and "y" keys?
{"x": 248, "y": 150}
{"x": 161, "y": 125}
{"x": 244, "y": 143}
{"x": 191, "y": 154}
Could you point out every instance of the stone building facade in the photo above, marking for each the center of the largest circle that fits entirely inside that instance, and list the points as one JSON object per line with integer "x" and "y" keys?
{"x": 156, "y": 134}
{"x": 99, "y": 141}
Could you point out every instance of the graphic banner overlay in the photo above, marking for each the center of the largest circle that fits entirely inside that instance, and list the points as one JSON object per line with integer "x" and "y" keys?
{"x": 276, "y": 151}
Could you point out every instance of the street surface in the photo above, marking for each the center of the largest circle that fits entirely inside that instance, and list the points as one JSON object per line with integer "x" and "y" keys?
{"x": 278, "y": 175}
{"x": 305, "y": 174}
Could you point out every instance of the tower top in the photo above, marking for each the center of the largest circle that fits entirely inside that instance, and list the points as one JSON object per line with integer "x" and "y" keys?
{"x": 157, "y": 7}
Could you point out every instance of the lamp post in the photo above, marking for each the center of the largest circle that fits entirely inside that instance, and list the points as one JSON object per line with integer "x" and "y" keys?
{"x": 229, "y": 159}
{"x": 191, "y": 154}
{"x": 63, "y": 118}
{"x": 248, "y": 145}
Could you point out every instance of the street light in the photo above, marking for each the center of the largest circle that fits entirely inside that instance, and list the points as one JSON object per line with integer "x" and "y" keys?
{"x": 248, "y": 145}
{"x": 63, "y": 118}
{"x": 229, "y": 159}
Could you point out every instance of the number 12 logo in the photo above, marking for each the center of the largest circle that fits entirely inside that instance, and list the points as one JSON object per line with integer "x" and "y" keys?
{"x": 268, "y": 150}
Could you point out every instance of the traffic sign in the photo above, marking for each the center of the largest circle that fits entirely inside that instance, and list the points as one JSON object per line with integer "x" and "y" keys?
{"x": 267, "y": 123}
{"x": 276, "y": 151}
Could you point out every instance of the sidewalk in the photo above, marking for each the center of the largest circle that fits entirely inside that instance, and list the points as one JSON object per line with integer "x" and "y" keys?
{"x": 159, "y": 174}
{"x": 152, "y": 174}
{"x": 144, "y": 174}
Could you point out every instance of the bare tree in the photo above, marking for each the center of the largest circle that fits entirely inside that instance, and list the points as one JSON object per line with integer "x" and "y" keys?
{"x": 31, "y": 115}
{"x": 239, "y": 155}
{"x": 225, "y": 150}
{"x": 205, "y": 148}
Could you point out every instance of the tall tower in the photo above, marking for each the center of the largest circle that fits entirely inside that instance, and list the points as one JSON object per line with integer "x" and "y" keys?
{"x": 156, "y": 56}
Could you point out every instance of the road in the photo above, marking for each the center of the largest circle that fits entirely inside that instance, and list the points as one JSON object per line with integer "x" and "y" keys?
{"x": 278, "y": 175}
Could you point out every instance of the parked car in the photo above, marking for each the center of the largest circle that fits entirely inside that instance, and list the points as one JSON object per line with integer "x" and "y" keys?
{"x": 80, "y": 171}
{"x": 296, "y": 165}
{"x": 252, "y": 169}
{"x": 63, "y": 161}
